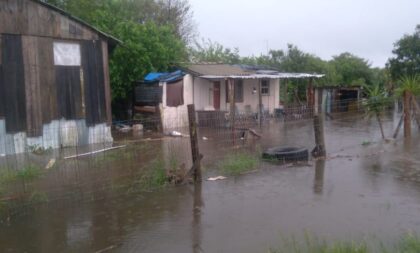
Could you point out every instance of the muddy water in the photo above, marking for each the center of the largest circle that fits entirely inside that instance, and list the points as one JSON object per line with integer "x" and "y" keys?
{"x": 360, "y": 191}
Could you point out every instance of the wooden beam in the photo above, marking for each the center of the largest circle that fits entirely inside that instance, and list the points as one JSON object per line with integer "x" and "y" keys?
{"x": 260, "y": 105}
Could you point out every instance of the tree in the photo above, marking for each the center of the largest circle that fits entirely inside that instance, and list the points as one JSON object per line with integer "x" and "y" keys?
{"x": 146, "y": 48}
{"x": 376, "y": 102}
{"x": 351, "y": 70}
{"x": 408, "y": 89}
{"x": 407, "y": 59}
{"x": 214, "y": 52}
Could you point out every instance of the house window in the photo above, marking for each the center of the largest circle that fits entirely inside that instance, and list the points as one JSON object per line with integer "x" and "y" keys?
{"x": 239, "y": 91}
{"x": 265, "y": 87}
{"x": 67, "y": 54}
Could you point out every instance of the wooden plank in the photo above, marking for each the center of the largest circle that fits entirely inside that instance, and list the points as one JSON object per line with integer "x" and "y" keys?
{"x": 47, "y": 79}
{"x": 107, "y": 82}
{"x": 32, "y": 86}
{"x": 0, "y": 49}
{"x": 13, "y": 84}
{"x": 93, "y": 73}
{"x": 69, "y": 92}
{"x": 8, "y": 17}
{"x": 31, "y": 18}
{"x": 2, "y": 91}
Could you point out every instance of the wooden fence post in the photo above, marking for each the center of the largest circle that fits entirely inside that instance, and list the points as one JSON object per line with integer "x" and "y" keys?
{"x": 196, "y": 156}
{"x": 232, "y": 111}
{"x": 260, "y": 105}
{"x": 407, "y": 114}
{"x": 319, "y": 150}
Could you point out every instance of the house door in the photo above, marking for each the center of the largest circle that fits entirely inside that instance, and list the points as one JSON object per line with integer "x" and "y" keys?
{"x": 216, "y": 95}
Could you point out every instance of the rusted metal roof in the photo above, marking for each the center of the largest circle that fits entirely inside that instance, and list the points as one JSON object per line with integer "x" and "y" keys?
{"x": 222, "y": 71}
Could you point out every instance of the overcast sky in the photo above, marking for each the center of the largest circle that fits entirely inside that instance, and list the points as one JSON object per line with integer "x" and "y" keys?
{"x": 367, "y": 28}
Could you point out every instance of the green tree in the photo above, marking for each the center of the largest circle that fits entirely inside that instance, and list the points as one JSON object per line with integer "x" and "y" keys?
{"x": 409, "y": 88}
{"x": 377, "y": 100}
{"x": 407, "y": 59}
{"x": 214, "y": 52}
{"x": 146, "y": 48}
{"x": 351, "y": 70}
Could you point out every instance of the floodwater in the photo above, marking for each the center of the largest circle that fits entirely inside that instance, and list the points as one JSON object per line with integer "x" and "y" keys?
{"x": 360, "y": 191}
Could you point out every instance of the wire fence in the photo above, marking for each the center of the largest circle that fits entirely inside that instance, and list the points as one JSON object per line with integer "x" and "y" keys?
{"x": 144, "y": 153}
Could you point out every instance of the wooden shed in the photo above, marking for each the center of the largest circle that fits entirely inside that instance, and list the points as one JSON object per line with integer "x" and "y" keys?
{"x": 54, "y": 79}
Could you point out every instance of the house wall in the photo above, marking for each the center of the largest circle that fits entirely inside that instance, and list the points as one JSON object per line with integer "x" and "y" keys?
{"x": 177, "y": 117}
{"x": 203, "y": 95}
{"x": 42, "y": 104}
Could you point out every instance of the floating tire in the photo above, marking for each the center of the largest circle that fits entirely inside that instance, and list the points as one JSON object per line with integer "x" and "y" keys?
{"x": 286, "y": 154}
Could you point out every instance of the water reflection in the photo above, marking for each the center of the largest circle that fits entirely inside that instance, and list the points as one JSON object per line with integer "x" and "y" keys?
{"x": 196, "y": 225}
{"x": 319, "y": 176}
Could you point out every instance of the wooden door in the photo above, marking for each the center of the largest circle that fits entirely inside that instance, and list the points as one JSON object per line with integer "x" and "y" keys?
{"x": 216, "y": 95}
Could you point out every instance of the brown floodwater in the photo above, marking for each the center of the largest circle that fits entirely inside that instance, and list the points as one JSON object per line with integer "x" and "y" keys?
{"x": 360, "y": 191}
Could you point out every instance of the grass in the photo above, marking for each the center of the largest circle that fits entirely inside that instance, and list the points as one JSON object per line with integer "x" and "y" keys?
{"x": 238, "y": 163}
{"x": 28, "y": 173}
{"x": 155, "y": 176}
{"x": 408, "y": 244}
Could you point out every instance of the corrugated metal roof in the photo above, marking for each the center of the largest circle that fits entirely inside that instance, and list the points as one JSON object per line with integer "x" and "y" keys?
{"x": 223, "y": 70}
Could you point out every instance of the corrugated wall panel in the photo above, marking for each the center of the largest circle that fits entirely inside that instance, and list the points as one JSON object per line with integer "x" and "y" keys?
{"x": 32, "y": 86}
{"x": 13, "y": 88}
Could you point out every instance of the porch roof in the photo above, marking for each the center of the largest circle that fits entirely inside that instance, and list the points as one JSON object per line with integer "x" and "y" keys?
{"x": 224, "y": 71}
{"x": 266, "y": 76}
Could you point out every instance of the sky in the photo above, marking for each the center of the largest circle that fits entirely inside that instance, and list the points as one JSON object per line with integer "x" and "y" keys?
{"x": 366, "y": 28}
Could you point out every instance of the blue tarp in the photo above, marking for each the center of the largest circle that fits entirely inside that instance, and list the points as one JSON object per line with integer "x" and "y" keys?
{"x": 164, "y": 77}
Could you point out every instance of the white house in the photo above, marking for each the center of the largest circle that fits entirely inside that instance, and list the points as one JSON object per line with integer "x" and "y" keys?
{"x": 207, "y": 86}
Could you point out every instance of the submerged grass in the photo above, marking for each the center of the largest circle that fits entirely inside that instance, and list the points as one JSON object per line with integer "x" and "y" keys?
{"x": 238, "y": 163}
{"x": 28, "y": 173}
{"x": 408, "y": 244}
{"x": 155, "y": 176}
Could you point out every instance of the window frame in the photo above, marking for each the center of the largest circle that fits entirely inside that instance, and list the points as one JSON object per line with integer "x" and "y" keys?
{"x": 265, "y": 91}
{"x": 73, "y": 60}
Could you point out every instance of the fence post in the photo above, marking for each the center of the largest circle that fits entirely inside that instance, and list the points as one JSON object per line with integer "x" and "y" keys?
{"x": 260, "y": 105}
{"x": 407, "y": 114}
{"x": 319, "y": 150}
{"x": 196, "y": 157}
{"x": 231, "y": 90}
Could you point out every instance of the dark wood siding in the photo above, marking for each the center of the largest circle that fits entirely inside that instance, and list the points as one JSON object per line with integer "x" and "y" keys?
{"x": 47, "y": 79}
{"x": 69, "y": 92}
{"x": 1, "y": 93}
{"x": 30, "y": 18}
{"x": 32, "y": 86}
{"x": 94, "y": 82}
{"x": 107, "y": 82}
{"x": 1, "y": 84}
{"x": 12, "y": 89}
